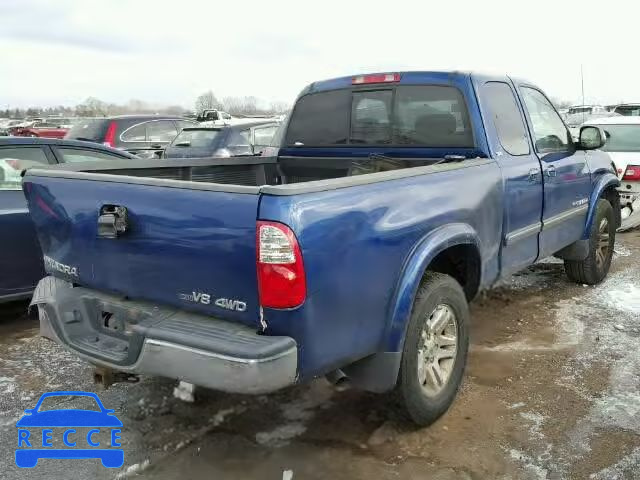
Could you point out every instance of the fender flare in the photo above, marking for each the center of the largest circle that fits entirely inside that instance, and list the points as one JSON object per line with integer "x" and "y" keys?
{"x": 413, "y": 270}
{"x": 604, "y": 182}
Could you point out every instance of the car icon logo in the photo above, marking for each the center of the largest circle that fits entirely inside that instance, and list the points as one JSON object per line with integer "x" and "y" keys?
{"x": 81, "y": 433}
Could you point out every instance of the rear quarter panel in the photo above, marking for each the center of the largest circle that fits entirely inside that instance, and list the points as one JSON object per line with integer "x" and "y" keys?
{"x": 355, "y": 242}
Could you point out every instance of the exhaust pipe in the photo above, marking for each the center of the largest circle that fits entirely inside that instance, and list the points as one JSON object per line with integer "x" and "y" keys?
{"x": 337, "y": 377}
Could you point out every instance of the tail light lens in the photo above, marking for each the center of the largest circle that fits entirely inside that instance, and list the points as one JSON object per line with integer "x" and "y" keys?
{"x": 632, "y": 173}
{"x": 110, "y": 136}
{"x": 15, "y": 164}
{"x": 281, "y": 277}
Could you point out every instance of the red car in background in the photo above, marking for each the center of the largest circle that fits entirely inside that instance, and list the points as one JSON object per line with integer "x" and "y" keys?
{"x": 45, "y": 129}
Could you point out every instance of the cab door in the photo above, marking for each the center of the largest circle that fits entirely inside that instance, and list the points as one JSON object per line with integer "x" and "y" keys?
{"x": 522, "y": 174}
{"x": 20, "y": 255}
{"x": 566, "y": 174}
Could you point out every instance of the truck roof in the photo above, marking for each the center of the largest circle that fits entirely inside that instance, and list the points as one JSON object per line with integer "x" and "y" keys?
{"x": 412, "y": 78}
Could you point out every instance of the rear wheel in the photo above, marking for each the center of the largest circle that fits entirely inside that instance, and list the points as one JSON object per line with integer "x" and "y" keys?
{"x": 435, "y": 349}
{"x": 594, "y": 268}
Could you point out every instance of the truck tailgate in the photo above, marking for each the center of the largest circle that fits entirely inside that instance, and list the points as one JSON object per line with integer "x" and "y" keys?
{"x": 185, "y": 245}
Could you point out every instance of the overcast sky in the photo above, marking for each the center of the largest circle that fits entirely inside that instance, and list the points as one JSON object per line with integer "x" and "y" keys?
{"x": 62, "y": 51}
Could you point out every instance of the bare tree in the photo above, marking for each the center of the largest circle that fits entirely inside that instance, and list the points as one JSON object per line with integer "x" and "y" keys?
{"x": 279, "y": 107}
{"x": 205, "y": 101}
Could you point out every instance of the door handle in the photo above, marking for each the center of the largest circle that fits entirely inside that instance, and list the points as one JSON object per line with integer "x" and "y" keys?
{"x": 112, "y": 221}
{"x": 551, "y": 171}
{"x": 533, "y": 174}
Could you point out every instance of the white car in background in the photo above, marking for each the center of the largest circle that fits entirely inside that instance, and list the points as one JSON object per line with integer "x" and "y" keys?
{"x": 623, "y": 146}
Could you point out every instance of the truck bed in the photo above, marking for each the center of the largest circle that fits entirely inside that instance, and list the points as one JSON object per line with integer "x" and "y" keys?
{"x": 250, "y": 171}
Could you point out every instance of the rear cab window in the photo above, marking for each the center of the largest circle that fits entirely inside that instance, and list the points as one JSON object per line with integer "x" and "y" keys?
{"x": 506, "y": 117}
{"x": 403, "y": 115}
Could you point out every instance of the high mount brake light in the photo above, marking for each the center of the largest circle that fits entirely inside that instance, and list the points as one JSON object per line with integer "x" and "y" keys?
{"x": 376, "y": 78}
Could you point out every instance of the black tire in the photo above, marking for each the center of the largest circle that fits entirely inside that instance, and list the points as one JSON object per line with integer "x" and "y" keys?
{"x": 422, "y": 406}
{"x": 594, "y": 268}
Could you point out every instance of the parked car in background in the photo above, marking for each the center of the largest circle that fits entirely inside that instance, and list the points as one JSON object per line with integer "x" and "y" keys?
{"x": 623, "y": 146}
{"x": 214, "y": 117}
{"x": 7, "y": 124}
{"x": 627, "y": 109}
{"x": 586, "y": 109}
{"x": 20, "y": 256}
{"x": 353, "y": 255}
{"x": 233, "y": 140}
{"x": 145, "y": 136}
{"x": 44, "y": 129}
{"x": 576, "y": 120}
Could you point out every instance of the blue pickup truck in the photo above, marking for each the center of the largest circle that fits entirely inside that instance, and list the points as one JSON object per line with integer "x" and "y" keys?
{"x": 388, "y": 202}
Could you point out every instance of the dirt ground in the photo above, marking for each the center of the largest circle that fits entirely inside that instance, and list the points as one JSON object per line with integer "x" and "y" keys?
{"x": 552, "y": 391}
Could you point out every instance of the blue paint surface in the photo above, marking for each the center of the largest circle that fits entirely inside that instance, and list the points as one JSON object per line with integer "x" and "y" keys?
{"x": 365, "y": 248}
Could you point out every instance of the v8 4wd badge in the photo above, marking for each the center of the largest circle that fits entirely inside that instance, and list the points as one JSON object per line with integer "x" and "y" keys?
{"x": 205, "y": 299}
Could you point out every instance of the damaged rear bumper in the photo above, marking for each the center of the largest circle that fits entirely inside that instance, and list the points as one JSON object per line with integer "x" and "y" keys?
{"x": 142, "y": 338}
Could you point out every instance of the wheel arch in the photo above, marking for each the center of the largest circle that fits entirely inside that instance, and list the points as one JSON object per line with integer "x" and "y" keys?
{"x": 606, "y": 187}
{"x": 453, "y": 249}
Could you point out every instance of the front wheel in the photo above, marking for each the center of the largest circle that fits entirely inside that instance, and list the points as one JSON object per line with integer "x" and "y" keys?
{"x": 435, "y": 349}
{"x": 602, "y": 239}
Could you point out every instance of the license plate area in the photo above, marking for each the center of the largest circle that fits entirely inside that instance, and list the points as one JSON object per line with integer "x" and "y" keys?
{"x": 102, "y": 329}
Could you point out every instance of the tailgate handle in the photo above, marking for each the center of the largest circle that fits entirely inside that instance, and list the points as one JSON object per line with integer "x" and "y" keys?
{"x": 113, "y": 221}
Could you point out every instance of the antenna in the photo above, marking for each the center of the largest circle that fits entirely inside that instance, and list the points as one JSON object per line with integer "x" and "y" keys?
{"x": 582, "y": 82}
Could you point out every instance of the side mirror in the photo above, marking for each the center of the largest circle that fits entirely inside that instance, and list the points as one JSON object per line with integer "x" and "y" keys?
{"x": 592, "y": 137}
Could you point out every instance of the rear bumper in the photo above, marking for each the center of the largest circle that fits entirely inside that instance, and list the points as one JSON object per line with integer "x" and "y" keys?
{"x": 151, "y": 340}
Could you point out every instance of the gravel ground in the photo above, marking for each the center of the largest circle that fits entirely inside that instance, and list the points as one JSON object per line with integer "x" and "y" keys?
{"x": 552, "y": 391}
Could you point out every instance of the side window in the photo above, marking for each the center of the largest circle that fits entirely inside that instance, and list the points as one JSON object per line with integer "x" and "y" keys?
{"x": 263, "y": 136}
{"x": 75, "y": 155}
{"x": 507, "y": 118}
{"x": 137, "y": 133}
{"x": 370, "y": 117}
{"x": 551, "y": 135}
{"x": 14, "y": 160}
{"x": 240, "y": 137}
{"x": 161, "y": 131}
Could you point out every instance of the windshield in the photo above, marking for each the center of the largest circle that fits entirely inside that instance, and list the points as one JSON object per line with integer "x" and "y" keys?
{"x": 416, "y": 115}
{"x": 195, "y": 138}
{"x": 622, "y": 138}
{"x": 62, "y": 402}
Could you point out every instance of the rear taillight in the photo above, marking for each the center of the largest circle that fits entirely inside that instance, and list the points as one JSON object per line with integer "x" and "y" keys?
{"x": 632, "y": 173}
{"x": 281, "y": 278}
{"x": 110, "y": 136}
{"x": 377, "y": 78}
{"x": 15, "y": 164}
